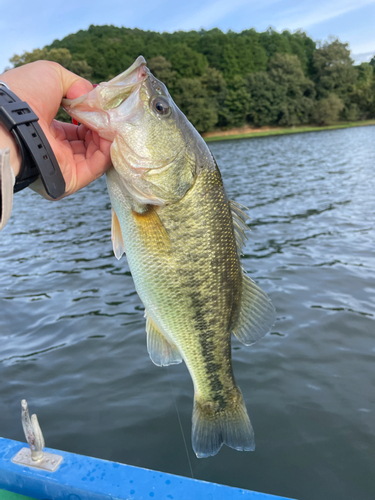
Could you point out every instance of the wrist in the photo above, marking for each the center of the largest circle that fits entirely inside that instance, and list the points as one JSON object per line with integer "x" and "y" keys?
{"x": 36, "y": 155}
{"x": 7, "y": 141}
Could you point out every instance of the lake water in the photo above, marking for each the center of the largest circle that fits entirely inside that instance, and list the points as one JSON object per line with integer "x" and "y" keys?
{"x": 73, "y": 343}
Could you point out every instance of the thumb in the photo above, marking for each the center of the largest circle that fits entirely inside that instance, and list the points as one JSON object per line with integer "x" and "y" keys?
{"x": 73, "y": 86}
{"x": 78, "y": 88}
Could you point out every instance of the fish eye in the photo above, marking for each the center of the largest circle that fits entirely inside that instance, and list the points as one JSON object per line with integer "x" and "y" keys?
{"x": 161, "y": 106}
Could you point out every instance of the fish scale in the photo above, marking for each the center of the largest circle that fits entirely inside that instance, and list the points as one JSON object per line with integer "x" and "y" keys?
{"x": 197, "y": 308}
{"x": 182, "y": 238}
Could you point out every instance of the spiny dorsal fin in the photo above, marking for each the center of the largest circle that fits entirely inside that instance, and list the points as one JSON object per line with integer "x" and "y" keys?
{"x": 257, "y": 314}
{"x": 239, "y": 223}
{"x": 117, "y": 241}
{"x": 161, "y": 352}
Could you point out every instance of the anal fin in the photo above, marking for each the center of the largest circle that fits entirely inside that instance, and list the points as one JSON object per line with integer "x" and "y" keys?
{"x": 162, "y": 352}
{"x": 257, "y": 314}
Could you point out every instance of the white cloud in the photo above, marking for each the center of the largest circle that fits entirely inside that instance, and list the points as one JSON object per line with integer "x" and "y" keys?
{"x": 210, "y": 15}
{"x": 303, "y": 18}
{"x": 366, "y": 57}
{"x": 362, "y": 47}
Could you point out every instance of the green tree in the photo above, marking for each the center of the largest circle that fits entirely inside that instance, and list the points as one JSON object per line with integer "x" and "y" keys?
{"x": 227, "y": 79}
{"x": 203, "y": 99}
{"x": 262, "y": 90}
{"x": 187, "y": 62}
{"x": 295, "y": 92}
{"x": 211, "y": 45}
{"x": 233, "y": 53}
{"x": 216, "y": 91}
{"x": 334, "y": 73}
{"x": 327, "y": 110}
{"x": 303, "y": 47}
{"x": 80, "y": 68}
{"x": 162, "y": 69}
{"x": 237, "y": 102}
{"x": 282, "y": 95}
{"x": 192, "y": 98}
{"x": 61, "y": 56}
{"x": 363, "y": 95}
{"x": 250, "y": 53}
{"x": 333, "y": 70}
{"x": 274, "y": 42}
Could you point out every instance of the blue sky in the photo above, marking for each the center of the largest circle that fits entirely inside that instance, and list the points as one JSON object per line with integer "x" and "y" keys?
{"x": 26, "y": 25}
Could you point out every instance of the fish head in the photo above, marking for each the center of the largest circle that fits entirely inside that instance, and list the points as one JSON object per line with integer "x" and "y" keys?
{"x": 154, "y": 147}
{"x": 101, "y": 109}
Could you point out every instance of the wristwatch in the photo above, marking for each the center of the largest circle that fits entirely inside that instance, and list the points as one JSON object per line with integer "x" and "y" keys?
{"x": 38, "y": 158}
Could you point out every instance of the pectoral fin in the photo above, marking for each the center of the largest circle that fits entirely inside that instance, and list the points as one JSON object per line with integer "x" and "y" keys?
{"x": 257, "y": 314}
{"x": 162, "y": 352}
{"x": 117, "y": 241}
{"x": 152, "y": 231}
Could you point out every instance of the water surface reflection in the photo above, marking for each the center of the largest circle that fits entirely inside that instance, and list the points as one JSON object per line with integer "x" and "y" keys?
{"x": 73, "y": 340}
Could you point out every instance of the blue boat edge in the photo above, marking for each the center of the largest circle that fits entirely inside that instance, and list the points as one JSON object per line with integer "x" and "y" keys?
{"x": 79, "y": 477}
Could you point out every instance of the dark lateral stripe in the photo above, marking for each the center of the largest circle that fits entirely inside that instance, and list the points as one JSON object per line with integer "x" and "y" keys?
{"x": 206, "y": 339}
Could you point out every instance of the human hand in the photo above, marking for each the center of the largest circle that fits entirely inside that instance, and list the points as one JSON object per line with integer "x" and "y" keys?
{"x": 82, "y": 155}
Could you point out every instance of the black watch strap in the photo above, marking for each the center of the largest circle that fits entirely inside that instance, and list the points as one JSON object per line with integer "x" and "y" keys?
{"x": 37, "y": 155}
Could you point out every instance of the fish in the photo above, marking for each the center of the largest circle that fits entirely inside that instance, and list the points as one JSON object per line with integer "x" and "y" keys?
{"x": 183, "y": 240}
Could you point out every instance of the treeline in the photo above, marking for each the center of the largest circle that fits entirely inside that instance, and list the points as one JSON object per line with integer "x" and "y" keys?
{"x": 225, "y": 80}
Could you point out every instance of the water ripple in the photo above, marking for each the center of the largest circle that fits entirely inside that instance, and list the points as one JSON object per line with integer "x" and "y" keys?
{"x": 72, "y": 326}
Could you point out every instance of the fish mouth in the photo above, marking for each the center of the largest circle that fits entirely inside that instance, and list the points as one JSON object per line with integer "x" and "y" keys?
{"x": 109, "y": 95}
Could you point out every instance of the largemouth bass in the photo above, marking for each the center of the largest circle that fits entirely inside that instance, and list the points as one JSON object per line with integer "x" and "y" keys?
{"x": 182, "y": 238}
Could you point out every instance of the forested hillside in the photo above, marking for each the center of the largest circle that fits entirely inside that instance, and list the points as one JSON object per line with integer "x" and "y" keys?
{"x": 224, "y": 80}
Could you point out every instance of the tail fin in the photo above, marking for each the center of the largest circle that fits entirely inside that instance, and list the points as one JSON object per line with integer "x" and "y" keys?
{"x": 213, "y": 427}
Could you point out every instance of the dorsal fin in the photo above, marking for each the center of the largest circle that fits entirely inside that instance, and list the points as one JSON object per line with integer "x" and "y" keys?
{"x": 239, "y": 223}
{"x": 257, "y": 314}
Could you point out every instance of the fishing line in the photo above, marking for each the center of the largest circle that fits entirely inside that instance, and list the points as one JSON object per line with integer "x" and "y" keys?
{"x": 179, "y": 421}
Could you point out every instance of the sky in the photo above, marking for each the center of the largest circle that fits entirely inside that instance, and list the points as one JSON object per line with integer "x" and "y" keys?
{"x": 26, "y": 25}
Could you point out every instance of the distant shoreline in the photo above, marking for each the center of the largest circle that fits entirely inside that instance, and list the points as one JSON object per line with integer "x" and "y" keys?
{"x": 248, "y": 132}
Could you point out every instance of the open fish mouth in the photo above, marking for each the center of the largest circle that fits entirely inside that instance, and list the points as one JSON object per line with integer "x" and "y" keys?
{"x": 109, "y": 95}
